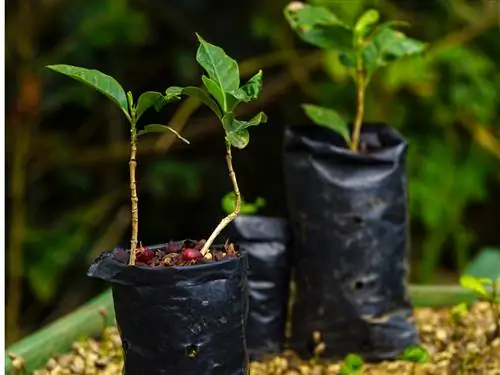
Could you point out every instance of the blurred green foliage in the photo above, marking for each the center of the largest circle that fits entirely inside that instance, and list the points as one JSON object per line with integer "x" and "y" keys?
{"x": 67, "y": 172}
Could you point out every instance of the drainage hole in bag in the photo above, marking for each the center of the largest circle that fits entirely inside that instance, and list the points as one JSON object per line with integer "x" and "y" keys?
{"x": 358, "y": 285}
{"x": 192, "y": 350}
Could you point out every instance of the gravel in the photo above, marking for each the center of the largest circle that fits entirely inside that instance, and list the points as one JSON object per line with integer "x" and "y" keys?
{"x": 457, "y": 346}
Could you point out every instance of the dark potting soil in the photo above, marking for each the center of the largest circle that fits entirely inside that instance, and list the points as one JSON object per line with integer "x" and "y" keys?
{"x": 178, "y": 253}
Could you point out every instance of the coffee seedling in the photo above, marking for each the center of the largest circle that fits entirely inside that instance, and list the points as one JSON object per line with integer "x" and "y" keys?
{"x": 319, "y": 347}
{"x": 363, "y": 49}
{"x": 110, "y": 87}
{"x": 228, "y": 203}
{"x": 492, "y": 296}
{"x": 415, "y": 354}
{"x": 223, "y": 94}
{"x": 352, "y": 365}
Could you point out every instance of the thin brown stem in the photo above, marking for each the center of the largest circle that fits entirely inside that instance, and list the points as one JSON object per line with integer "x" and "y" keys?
{"x": 224, "y": 222}
{"x": 361, "y": 86}
{"x": 133, "y": 196}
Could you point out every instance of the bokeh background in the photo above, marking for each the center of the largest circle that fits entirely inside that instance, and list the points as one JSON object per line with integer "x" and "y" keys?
{"x": 67, "y": 146}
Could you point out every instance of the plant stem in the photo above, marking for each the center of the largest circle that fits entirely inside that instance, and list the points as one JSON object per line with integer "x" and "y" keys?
{"x": 361, "y": 86}
{"x": 133, "y": 195}
{"x": 224, "y": 222}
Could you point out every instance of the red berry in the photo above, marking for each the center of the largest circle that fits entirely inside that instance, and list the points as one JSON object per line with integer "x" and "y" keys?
{"x": 191, "y": 254}
{"x": 144, "y": 255}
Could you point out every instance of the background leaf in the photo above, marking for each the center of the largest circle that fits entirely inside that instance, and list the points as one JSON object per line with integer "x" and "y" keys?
{"x": 364, "y": 22}
{"x": 472, "y": 283}
{"x": 387, "y": 45}
{"x": 101, "y": 82}
{"x": 328, "y": 118}
{"x": 319, "y": 26}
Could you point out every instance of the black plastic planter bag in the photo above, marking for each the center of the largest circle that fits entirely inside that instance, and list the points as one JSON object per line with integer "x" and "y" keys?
{"x": 266, "y": 240}
{"x": 348, "y": 214}
{"x": 180, "y": 320}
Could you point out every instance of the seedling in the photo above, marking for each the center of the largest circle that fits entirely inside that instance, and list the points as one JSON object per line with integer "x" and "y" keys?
{"x": 223, "y": 94}
{"x": 363, "y": 49}
{"x": 110, "y": 87}
{"x": 228, "y": 203}
{"x": 353, "y": 364}
{"x": 415, "y": 354}
{"x": 457, "y": 313}
{"x": 492, "y": 296}
{"x": 319, "y": 347}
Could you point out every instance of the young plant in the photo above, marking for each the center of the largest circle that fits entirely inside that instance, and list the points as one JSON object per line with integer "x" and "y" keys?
{"x": 353, "y": 364}
{"x": 228, "y": 203}
{"x": 363, "y": 49}
{"x": 492, "y": 296}
{"x": 223, "y": 94}
{"x": 110, "y": 87}
{"x": 415, "y": 354}
{"x": 458, "y": 312}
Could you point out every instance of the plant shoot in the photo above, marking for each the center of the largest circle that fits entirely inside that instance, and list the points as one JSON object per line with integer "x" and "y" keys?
{"x": 110, "y": 87}
{"x": 363, "y": 49}
{"x": 222, "y": 94}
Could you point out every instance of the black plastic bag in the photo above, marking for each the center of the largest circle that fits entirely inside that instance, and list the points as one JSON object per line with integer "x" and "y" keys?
{"x": 266, "y": 240}
{"x": 180, "y": 320}
{"x": 348, "y": 214}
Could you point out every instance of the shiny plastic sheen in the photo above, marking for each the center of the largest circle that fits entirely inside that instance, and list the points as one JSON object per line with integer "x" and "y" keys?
{"x": 266, "y": 239}
{"x": 180, "y": 320}
{"x": 348, "y": 214}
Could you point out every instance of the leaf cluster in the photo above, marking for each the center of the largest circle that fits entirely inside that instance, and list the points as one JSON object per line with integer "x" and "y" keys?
{"x": 110, "y": 87}
{"x": 223, "y": 91}
{"x": 363, "y": 48}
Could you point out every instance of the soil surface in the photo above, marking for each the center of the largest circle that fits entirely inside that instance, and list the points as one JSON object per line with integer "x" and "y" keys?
{"x": 180, "y": 253}
{"x": 456, "y": 345}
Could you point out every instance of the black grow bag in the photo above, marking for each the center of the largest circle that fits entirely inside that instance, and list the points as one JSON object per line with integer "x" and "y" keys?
{"x": 180, "y": 320}
{"x": 348, "y": 213}
{"x": 266, "y": 240}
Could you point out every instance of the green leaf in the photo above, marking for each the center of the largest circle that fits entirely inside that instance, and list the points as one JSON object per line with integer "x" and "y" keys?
{"x": 388, "y": 45}
{"x": 147, "y": 100}
{"x": 474, "y": 284}
{"x": 259, "y": 118}
{"x": 214, "y": 90}
{"x": 219, "y": 66}
{"x": 319, "y": 26}
{"x": 329, "y": 119}
{"x": 101, "y": 82}
{"x": 353, "y": 364}
{"x": 486, "y": 264}
{"x": 236, "y": 130}
{"x": 250, "y": 90}
{"x": 173, "y": 93}
{"x": 364, "y": 22}
{"x": 157, "y": 128}
{"x": 459, "y": 311}
{"x": 416, "y": 354}
{"x": 199, "y": 94}
{"x": 229, "y": 204}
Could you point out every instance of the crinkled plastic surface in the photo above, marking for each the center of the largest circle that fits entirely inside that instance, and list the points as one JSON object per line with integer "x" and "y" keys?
{"x": 348, "y": 213}
{"x": 180, "y": 320}
{"x": 266, "y": 240}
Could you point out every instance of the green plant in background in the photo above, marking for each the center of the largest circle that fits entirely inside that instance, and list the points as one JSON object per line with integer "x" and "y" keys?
{"x": 110, "y": 87}
{"x": 415, "y": 354}
{"x": 364, "y": 48}
{"x": 223, "y": 94}
{"x": 492, "y": 296}
{"x": 457, "y": 313}
{"x": 228, "y": 204}
{"x": 352, "y": 365}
